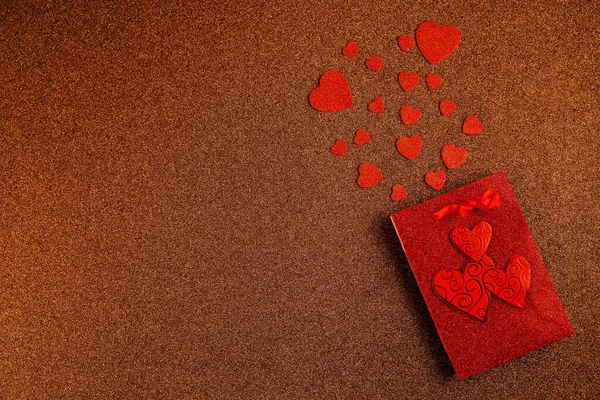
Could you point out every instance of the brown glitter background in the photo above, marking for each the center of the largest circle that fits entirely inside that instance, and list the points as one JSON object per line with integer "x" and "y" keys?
{"x": 172, "y": 224}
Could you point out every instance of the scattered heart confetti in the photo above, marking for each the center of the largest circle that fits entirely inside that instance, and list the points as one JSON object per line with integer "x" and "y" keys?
{"x": 433, "y": 81}
{"x": 408, "y": 80}
{"x": 472, "y": 242}
{"x": 409, "y": 147}
{"x": 409, "y": 115}
{"x": 368, "y": 175}
{"x": 436, "y": 179}
{"x": 437, "y": 42}
{"x": 472, "y": 125}
{"x": 453, "y": 156}
{"x": 374, "y": 63}
{"x": 339, "y": 147}
{"x": 464, "y": 290}
{"x": 405, "y": 43}
{"x": 361, "y": 137}
{"x": 351, "y": 49}
{"x": 510, "y": 285}
{"x": 398, "y": 192}
{"x": 377, "y": 105}
{"x": 447, "y": 107}
{"x": 333, "y": 93}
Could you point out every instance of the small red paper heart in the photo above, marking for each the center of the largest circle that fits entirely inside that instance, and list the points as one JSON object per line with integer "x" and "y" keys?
{"x": 409, "y": 115}
{"x": 408, "y": 80}
{"x": 472, "y": 125}
{"x": 437, "y": 42}
{"x": 368, "y": 175}
{"x": 374, "y": 63}
{"x": 436, "y": 179}
{"x": 433, "y": 81}
{"x": 465, "y": 290}
{"x": 339, "y": 147}
{"x": 333, "y": 93}
{"x": 377, "y": 105}
{"x": 409, "y": 147}
{"x": 405, "y": 42}
{"x": 351, "y": 49}
{"x": 453, "y": 156}
{"x": 398, "y": 192}
{"x": 510, "y": 286}
{"x": 447, "y": 107}
{"x": 361, "y": 137}
{"x": 473, "y": 242}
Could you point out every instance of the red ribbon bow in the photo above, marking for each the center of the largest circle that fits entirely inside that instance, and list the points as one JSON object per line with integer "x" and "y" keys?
{"x": 485, "y": 201}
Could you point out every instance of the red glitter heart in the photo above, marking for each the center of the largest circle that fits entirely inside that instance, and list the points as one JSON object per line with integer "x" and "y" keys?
{"x": 361, "y": 137}
{"x": 351, "y": 49}
{"x": 333, "y": 93}
{"x": 436, "y": 179}
{"x": 405, "y": 43}
{"x": 511, "y": 285}
{"x": 339, "y": 147}
{"x": 409, "y": 147}
{"x": 453, "y": 156}
{"x": 472, "y": 125}
{"x": 408, "y": 80}
{"x": 437, "y": 42}
{"x": 377, "y": 105}
{"x": 374, "y": 63}
{"x": 409, "y": 115}
{"x": 433, "y": 81}
{"x": 398, "y": 192}
{"x": 447, "y": 107}
{"x": 473, "y": 242}
{"x": 368, "y": 175}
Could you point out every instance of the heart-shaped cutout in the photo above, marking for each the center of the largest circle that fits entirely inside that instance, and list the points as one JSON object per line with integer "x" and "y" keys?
{"x": 436, "y": 179}
{"x": 339, "y": 147}
{"x": 405, "y": 42}
{"x": 351, "y": 49}
{"x": 333, "y": 93}
{"x": 409, "y": 147}
{"x": 447, "y": 107}
{"x": 433, "y": 81}
{"x": 511, "y": 285}
{"x": 368, "y": 175}
{"x": 453, "y": 156}
{"x": 409, "y": 115}
{"x": 408, "y": 80}
{"x": 377, "y": 105}
{"x": 398, "y": 192}
{"x": 472, "y": 125}
{"x": 374, "y": 63}
{"x": 472, "y": 242}
{"x": 465, "y": 290}
{"x": 437, "y": 42}
{"x": 361, "y": 137}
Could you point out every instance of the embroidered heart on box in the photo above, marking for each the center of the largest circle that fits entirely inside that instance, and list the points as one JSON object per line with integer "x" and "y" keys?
{"x": 437, "y": 42}
{"x": 511, "y": 285}
{"x": 473, "y": 242}
{"x": 333, "y": 93}
{"x": 465, "y": 290}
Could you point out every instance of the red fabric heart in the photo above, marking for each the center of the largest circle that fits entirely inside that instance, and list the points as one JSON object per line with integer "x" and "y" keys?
{"x": 433, "y": 81}
{"x": 447, "y": 107}
{"x": 409, "y": 147}
{"x": 465, "y": 290}
{"x": 377, "y": 105}
{"x": 405, "y": 42}
{"x": 339, "y": 147}
{"x": 374, "y": 63}
{"x": 510, "y": 286}
{"x": 333, "y": 93}
{"x": 436, "y": 179}
{"x": 368, "y": 175}
{"x": 408, "y": 80}
{"x": 398, "y": 192}
{"x": 472, "y": 125}
{"x": 437, "y": 42}
{"x": 453, "y": 156}
{"x": 351, "y": 49}
{"x": 409, "y": 115}
{"x": 361, "y": 137}
{"x": 473, "y": 242}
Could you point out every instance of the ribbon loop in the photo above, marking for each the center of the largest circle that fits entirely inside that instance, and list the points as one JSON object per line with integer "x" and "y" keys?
{"x": 486, "y": 201}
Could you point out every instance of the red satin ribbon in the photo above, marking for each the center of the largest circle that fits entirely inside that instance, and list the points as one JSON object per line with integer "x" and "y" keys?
{"x": 485, "y": 201}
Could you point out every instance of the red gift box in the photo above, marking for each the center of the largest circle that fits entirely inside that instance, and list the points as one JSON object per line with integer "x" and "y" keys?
{"x": 496, "y": 329}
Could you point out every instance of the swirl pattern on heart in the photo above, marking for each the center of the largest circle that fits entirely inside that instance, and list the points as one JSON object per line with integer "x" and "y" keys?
{"x": 474, "y": 242}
